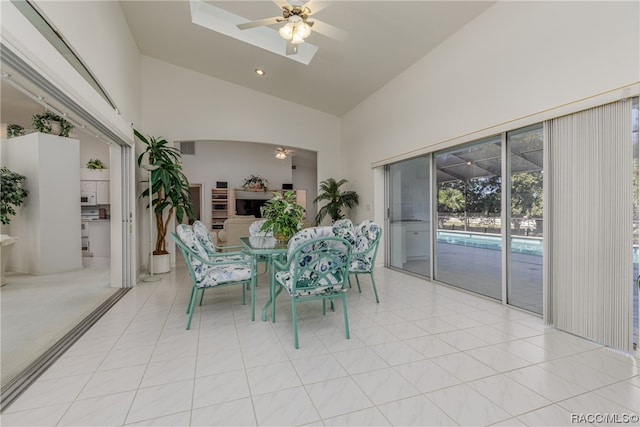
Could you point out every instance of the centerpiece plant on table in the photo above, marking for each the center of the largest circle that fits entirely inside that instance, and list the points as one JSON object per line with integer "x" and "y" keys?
{"x": 283, "y": 215}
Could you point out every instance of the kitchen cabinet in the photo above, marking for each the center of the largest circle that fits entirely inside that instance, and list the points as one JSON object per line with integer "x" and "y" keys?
{"x": 98, "y": 240}
{"x": 416, "y": 240}
{"x": 102, "y": 192}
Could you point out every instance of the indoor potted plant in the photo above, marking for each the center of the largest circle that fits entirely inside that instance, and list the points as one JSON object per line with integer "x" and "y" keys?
{"x": 170, "y": 192}
{"x": 13, "y": 195}
{"x": 336, "y": 199}
{"x": 95, "y": 164}
{"x": 14, "y": 130}
{"x": 255, "y": 182}
{"x": 49, "y": 122}
{"x": 283, "y": 215}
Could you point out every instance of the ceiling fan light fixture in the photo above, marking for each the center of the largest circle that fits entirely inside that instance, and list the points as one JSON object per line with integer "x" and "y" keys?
{"x": 286, "y": 31}
{"x": 281, "y": 154}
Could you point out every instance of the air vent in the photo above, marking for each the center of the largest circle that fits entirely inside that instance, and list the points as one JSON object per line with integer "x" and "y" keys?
{"x": 188, "y": 147}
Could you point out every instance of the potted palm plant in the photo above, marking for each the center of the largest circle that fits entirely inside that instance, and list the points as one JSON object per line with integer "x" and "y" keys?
{"x": 13, "y": 195}
{"x": 336, "y": 199}
{"x": 283, "y": 216}
{"x": 169, "y": 192}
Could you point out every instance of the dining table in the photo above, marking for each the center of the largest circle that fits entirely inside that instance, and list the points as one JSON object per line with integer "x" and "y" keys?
{"x": 270, "y": 249}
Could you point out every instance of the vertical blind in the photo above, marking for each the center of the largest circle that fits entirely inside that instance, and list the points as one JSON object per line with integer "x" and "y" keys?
{"x": 588, "y": 185}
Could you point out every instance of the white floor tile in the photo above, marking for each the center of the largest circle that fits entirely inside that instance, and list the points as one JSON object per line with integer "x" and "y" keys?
{"x": 220, "y": 388}
{"x": 99, "y": 411}
{"x": 415, "y": 411}
{"x": 285, "y": 408}
{"x": 236, "y": 413}
{"x": 169, "y": 371}
{"x": 395, "y": 386}
{"x": 319, "y": 368}
{"x": 396, "y": 353}
{"x": 466, "y": 406}
{"x": 50, "y": 392}
{"x": 113, "y": 381}
{"x": 464, "y": 367}
{"x": 513, "y": 397}
{"x": 337, "y": 397}
{"x": 44, "y": 416}
{"x": 364, "y": 417}
{"x": 360, "y": 360}
{"x": 157, "y": 401}
{"x": 624, "y": 394}
{"x": 553, "y": 415}
{"x": 545, "y": 383}
{"x": 274, "y": 377}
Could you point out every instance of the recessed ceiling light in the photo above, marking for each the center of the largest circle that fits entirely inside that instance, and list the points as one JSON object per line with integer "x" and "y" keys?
{"x": 260, "y": 72}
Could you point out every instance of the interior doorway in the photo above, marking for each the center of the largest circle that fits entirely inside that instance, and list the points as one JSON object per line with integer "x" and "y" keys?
{"x": 195, "y": 190}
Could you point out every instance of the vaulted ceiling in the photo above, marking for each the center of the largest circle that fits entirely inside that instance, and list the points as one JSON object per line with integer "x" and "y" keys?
{"x": 384, "y": 39}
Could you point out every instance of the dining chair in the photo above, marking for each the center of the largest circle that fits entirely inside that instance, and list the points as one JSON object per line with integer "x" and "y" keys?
{"x": 316, "y": 268}
{"x": 212, "y": 270}
{"x": 363, "y": 260}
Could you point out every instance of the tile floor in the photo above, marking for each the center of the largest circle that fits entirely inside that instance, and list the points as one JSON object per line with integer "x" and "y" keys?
{"x": 426, "y": 355}
{"x": 37, "y": 310}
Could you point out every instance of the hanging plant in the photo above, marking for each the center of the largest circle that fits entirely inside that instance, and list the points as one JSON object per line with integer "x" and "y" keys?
{"x": 95, "y": 164}
{"x": 43, "y": 122}
{"x": 14, "y": 130}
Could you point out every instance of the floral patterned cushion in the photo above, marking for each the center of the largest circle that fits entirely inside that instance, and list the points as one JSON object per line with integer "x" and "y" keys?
{"x": 314, "y": 260}
{"x": 210, "y": 275}
{"x": 344, "y": 228}
{"x": 202, "y": 234}
{"x": 367, "y": 238}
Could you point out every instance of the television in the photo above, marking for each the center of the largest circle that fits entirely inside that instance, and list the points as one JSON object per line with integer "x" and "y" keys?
{"x": 250, "y": 206}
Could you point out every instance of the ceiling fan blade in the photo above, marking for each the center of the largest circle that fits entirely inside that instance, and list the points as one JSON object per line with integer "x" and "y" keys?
{"x": 259, "y": 23}
{"x": 292, "y": 49}
{"x": 281, "y": 3}
{"x": 329, "y": 30}
{"x": 316, "y": 6}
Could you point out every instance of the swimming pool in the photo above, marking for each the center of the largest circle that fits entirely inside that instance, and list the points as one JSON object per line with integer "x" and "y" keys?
{"x": 520, "y": 244}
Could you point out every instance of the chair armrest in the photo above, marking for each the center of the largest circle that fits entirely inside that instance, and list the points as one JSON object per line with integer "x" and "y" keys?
{"x": 212, "y": 258}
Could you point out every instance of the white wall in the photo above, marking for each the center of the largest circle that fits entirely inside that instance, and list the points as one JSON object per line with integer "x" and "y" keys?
{"x": 183, "y": 105}
{"x": 99, "y": 33}
{"x": 516, "y": 59}
{"x": 232, "y": 162}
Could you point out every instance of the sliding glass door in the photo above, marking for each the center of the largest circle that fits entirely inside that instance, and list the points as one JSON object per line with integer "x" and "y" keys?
{"x": 469, "y": 243}
{"x": 472, "y": 249}
{"x": 409, "y": 216}
{"x": 524, "y": 286}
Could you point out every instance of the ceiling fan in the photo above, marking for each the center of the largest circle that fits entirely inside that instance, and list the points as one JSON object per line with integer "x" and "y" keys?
{"x": 282, "y": 153}
{"x": 297, "y": 27}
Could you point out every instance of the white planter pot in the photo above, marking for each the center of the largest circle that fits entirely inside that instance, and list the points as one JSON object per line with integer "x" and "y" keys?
{"x": 161, "y": 263}
{"x": 6, "y": 243}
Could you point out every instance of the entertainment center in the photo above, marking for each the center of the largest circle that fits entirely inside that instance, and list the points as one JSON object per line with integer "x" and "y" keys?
{"x": 228, "y": 202}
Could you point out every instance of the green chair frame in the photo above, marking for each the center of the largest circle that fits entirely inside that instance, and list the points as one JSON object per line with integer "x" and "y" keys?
{"x": 370, "y": 251}
{"x": 214, "y": 261}
{"x": 318, "y": 269}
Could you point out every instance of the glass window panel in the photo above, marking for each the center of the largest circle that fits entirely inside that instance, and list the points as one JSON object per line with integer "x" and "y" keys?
{"x": 468, "y": 244}
{"x": 524, "y": 288}
{"x": 636, "y": 216}
{"x": 410, "y": 216}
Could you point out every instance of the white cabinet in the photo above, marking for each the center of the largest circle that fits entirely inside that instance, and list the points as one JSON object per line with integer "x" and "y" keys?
{"x": 99, "y": 238}
{"x": 48, "y": 224}
{"x": 88, "y": 186}
{"x": 98, "y": 186}
{"x": 102, "y": 192}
